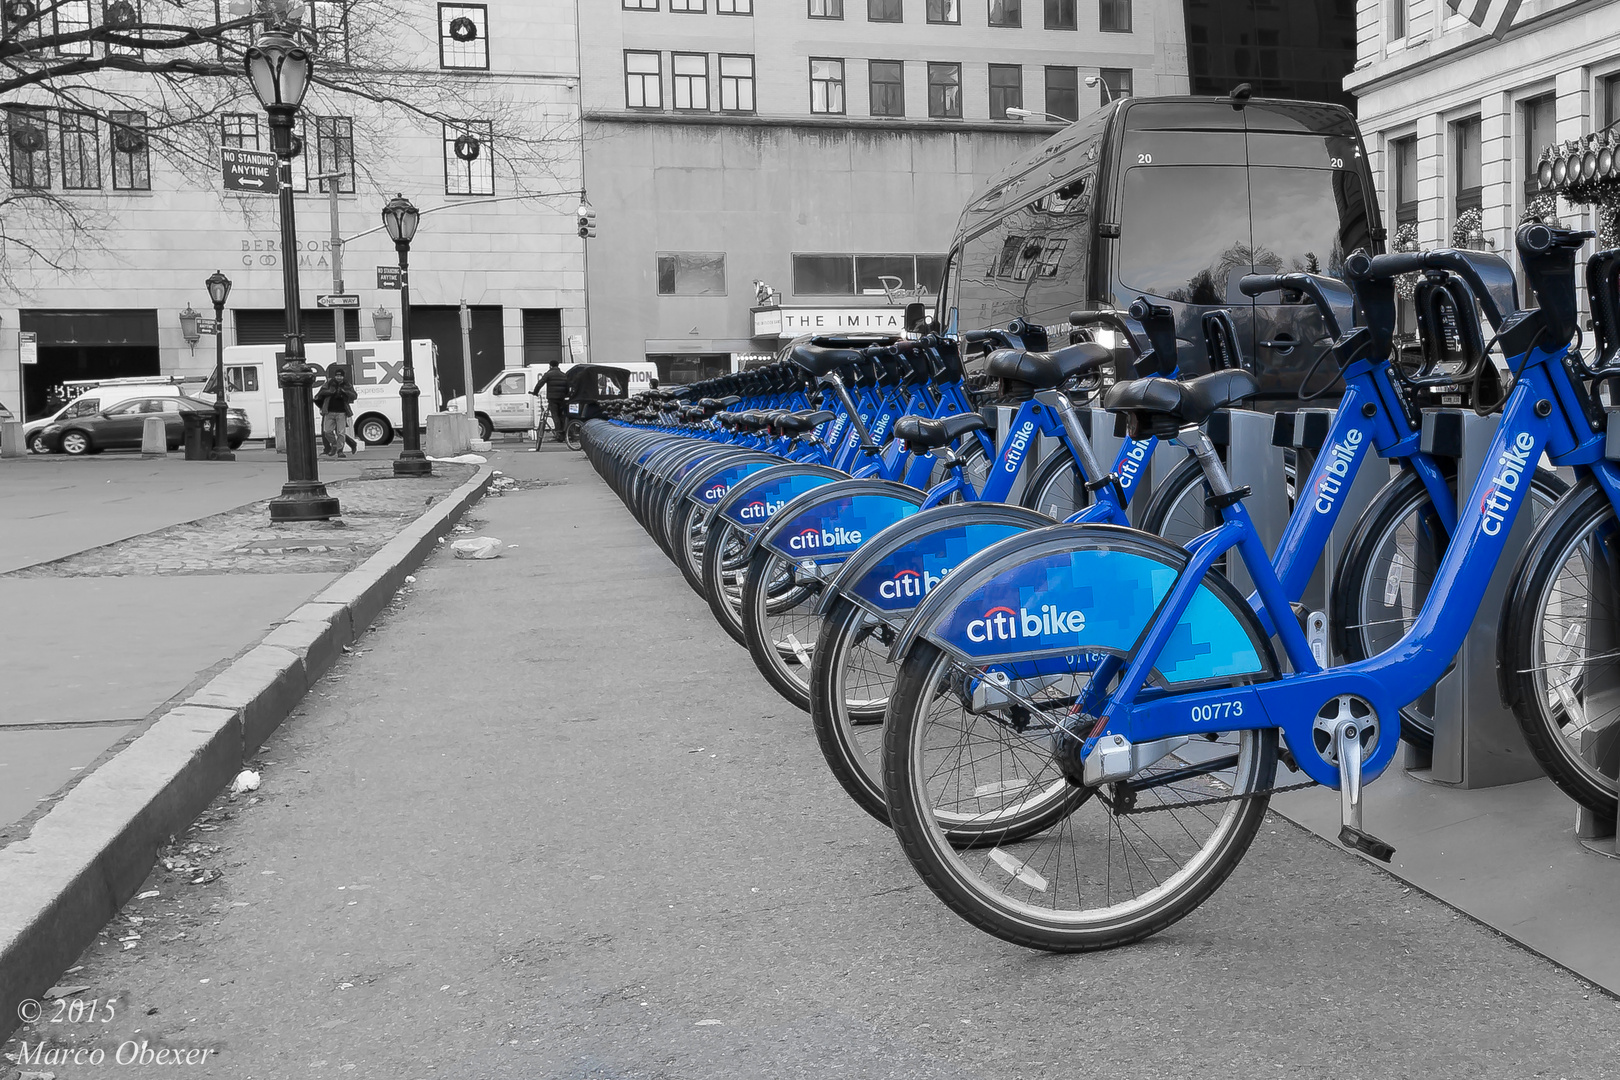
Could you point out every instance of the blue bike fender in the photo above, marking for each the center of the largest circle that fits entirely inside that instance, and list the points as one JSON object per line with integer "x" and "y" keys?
{"x": 1074, "y": 589}
{"x": 707, "y": 476}
{"x": 751, "y": 503}
{"x": 830, "y": 522}
{"x": 895, "y": 569}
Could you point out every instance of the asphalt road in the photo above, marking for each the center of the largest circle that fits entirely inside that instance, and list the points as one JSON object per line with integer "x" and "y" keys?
{"x": 549, "y": 822}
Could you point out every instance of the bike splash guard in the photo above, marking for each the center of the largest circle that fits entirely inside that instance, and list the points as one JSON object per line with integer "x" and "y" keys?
{"x": 754, "y": 507}
{"x": 1097, "y": 599}
{"x": 834, "y": 529}
{"x": 711, "y": 493}
{"x": 899, "y": 581}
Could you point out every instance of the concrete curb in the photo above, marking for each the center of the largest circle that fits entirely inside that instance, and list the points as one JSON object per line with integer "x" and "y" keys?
{"x": 95, "y": 847}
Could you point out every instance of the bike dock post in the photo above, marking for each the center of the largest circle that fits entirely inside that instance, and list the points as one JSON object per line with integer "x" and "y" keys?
{"x": 1242, "y": 437}
{"x": 1477, "y": 742}
{"x": 1306, "y": 432}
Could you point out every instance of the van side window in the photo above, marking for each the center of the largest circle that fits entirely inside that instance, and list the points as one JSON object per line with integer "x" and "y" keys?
{"x": 83, "y": 407}
{"x": 127, "y": 408}
{"x": 512, "y": 384}
{"x": 1034, "y": 263}
{"x": 243, "y": 380}
{"x": 1185, "y": 231}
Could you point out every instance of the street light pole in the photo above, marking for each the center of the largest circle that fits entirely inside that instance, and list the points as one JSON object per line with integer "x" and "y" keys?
{"x": 280, "y": 71}
{"x": 400, "y": 218}
{"x": 219, "y": 288}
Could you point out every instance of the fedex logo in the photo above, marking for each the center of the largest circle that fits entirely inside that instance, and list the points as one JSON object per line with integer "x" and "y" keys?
{"x": 1005, "y": 624}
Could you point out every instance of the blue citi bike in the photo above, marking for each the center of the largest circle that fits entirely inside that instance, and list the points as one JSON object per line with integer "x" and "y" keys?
{"x": 1124, "y": 803}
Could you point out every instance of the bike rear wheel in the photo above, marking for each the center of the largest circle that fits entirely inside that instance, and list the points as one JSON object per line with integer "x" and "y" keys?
{"x": 780, "y": 624}
{"x": 572, "y": 434}
{"x": 1094, "y": 878}
{"x": 850, "y": 679}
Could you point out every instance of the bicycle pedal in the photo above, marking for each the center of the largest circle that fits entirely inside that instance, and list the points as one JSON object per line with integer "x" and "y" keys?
{"x": 1365, "y": 843}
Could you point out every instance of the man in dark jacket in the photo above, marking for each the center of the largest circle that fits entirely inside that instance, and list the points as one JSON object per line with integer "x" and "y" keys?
{"x": 333, "y": 400}
{"x": 555, "y": 384}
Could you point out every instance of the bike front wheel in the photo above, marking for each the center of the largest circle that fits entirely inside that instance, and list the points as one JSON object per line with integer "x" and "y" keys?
{"x": 573, "y": 435}
{"x": 1123, "y": 862}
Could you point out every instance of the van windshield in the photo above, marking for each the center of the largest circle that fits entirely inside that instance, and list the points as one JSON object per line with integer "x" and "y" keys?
{"x": 1186, "y": 233}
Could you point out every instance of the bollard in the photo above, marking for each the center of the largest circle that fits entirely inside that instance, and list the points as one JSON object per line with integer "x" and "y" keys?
{"x": 11, "y": 440}
{"x": 447, "y": 435}
{"x": 281, "y": 435}
{"x": 154, "y": 437}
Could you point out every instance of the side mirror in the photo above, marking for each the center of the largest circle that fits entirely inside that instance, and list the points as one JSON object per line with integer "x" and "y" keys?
{"x": 916, "y": 313}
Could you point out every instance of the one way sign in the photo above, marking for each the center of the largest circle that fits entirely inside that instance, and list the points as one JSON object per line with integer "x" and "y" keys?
{"x": 249, "y": 170}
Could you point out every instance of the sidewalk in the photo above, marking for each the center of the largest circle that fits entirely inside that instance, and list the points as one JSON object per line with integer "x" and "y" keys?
{"x": 98, "y": 638}
{"x": 550, "y": 822}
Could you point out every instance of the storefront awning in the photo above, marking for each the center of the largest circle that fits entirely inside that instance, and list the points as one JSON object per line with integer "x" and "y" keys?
{"x": 790, "y": 322}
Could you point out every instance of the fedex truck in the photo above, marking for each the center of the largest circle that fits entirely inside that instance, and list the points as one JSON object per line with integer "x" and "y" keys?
{"x": 507, "y": 402}
{"x": 376, "y": 371}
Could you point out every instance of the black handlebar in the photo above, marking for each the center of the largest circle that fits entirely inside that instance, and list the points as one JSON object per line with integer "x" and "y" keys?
{"x": 1330, "y": 295}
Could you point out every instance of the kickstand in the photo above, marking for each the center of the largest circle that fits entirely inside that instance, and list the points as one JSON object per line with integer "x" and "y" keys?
{"x": 1347, "y": 744}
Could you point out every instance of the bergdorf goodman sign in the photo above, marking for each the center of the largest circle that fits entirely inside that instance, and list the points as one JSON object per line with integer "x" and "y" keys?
{"x": 266, "y": 251}
{"x": 791, "y": 322}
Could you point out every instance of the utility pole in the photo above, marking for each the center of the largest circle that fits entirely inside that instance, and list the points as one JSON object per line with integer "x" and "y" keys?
{"x": 339, "y": 327}
{"x": 466, "y": 367}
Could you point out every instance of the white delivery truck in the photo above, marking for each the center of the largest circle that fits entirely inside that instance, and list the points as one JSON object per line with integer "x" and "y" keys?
{"x": 507, "y": 402}
{"x": 376, "y": 371}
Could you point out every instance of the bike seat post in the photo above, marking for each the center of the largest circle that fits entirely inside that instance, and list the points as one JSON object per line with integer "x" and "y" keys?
{"x": 842, "y": 392}
{"x": 1079, "y": 444}
{"x": 1203, "y": 449}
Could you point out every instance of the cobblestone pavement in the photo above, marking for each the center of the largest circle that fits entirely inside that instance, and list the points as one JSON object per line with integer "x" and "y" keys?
{"x": 375, "y": 507}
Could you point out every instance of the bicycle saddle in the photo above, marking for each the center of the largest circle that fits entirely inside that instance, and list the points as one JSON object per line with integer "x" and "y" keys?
{"x": 1047, "y": 370}
{"x": 921, "y": 433}
{"x": 1183, "y": 404}
{"x": 798, "y": 423}
{"x": 820, "y": 361}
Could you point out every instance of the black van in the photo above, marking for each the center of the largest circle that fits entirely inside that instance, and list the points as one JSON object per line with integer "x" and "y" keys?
{"x": 1173, "y": 198}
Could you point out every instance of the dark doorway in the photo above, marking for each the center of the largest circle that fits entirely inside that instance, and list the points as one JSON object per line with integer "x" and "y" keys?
{"x": 268, "y": 326}
{"x": 118, "y": 344}
{"x": 443, "y": 326}
{"x": 690, "y": 368}
{"x": 542, "y": 336}
{"x": 1299, "y": 51}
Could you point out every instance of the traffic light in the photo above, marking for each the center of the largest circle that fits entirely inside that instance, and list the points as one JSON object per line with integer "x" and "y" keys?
{"x": 586, "y": 221}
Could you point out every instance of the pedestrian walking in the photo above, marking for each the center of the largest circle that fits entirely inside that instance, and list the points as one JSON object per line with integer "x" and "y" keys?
{"x": 555, "y": 384}
{"x": 333, "y": 400}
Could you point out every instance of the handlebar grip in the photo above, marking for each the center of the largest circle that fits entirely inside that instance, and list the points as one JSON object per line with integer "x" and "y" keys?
{"x": 1255, "y": 284}
{"x": 1362, "y": 266}
{"x": 1141, "y": 310}
{"x": 1537, "y": 238}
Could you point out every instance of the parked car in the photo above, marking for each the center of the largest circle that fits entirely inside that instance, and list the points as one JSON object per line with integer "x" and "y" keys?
{"x": 120, "y": 426}
{"x": 90, "y": 396}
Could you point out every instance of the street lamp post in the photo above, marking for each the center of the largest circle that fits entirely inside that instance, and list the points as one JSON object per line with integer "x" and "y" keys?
{"x": 400, "y": 218}
{"x": 219, "y": 287}
{"x": 280, "y": 71}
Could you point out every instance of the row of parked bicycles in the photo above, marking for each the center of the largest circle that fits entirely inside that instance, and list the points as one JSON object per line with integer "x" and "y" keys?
{"x": 1074, "y": 724}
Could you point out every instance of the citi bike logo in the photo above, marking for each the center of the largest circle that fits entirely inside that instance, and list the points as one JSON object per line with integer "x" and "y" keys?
{"x": 815, "y": 539}
{"x": 881, "y": 428}
{"x": 910, "y": 585}
{"x": 1336, "y": 472}
{"x": 759, "y": 510}
{"x": 1005, "y": 624}
{"x": 1019, "y": 443}
{"x": 1510, "y": 469}
{"x": 715, "y": 493}
{"x": 1132, "y": 465}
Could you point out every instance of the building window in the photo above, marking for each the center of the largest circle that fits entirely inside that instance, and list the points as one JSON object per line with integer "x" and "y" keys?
{"x": 28, "y": 133}
{"x": 1608, "y": 100}
{"x": 691, "y": 273}
{"x": 1063, "y": 92}
{"x": 1403, "y": 155}
{"x": 469, "y": 165}
{"x": 70, "y": 17}
{"x": 131, "y": 151}
{"x": 887, "y": 82}
{"x": 1114, "y": 16}
{"x": 1006, "y": 89}
{"x": 640, "y": 5}
{"x": 690, "y": 72}
{"x": 643, "y": 80}
{"x": 1467, "y": 164}
{"x": 464, "y": 36}
{"x": 239, "y": 131}
{"x": 1538, "y": 115}
{"x": 737, "y": 84}
{"x": 826, "y": 86}
{"x": 1060, "y": 15}
{"x": 81, "y": 150}
{"x": 1006, "y": 13}
{"x": 885, "y": 11}
{"x": 867, "y": 275}
{"x": 329, "y": 20}
{"x": 114, "y": 19}
{"x": 945, "y": 11}
{"x": 297, "y": 166}
{"x": 945, "y": 91}
{"x": 734, "y": 7}
{"x": 334, "y": 151}
{"x": 826, "y": 9}
{"x": 695, "y": 6}
{"x": 1397, "y": 19}
{"x": 1117, "y": 82}
{"x": 542, "y": 335}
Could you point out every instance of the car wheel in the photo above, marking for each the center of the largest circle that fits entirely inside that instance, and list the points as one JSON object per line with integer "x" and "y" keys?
{"x": 375, "y": 430}
{"x": 36, "y": 443}
{"x": 76, "y": 443}
{"x": 235, "y": 444}
{"x": 485, "y": 428}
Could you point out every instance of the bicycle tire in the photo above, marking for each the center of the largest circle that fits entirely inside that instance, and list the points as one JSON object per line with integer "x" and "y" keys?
{"x": 763, "y": 600}
{"x": 572, "y": 435}
{"x": 1057, "y": 489}
{"x": 724, "y": 546}
{"x": 848, "y": 731}
{"x": 954, "y": 874}
{"x": 1583, "y": 519}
